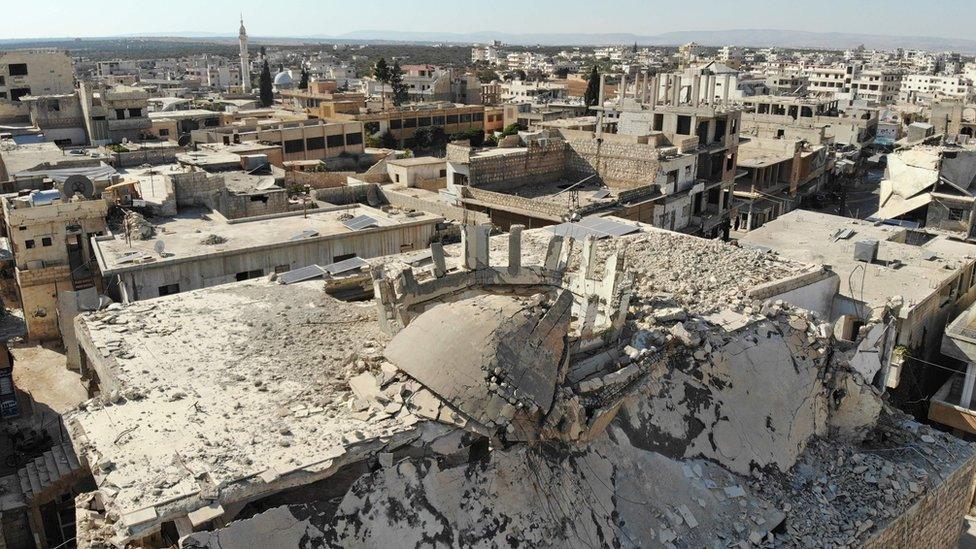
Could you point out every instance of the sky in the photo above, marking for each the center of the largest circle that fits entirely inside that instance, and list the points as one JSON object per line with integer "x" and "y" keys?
{"x": 70, "y": 18}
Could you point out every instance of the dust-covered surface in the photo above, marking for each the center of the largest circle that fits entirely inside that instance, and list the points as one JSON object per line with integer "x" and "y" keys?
{"x": 225, "y": 389}
{"x": 707, "y": 418}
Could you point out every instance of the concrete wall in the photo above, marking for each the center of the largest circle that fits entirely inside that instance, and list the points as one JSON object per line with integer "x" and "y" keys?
{"x": 202, "y": 272}
{"x": 539, "y": 163}
{"x": 934, "y": 521}
{"x": 619, "y": 165}
{"x": 435, "y": 207}
{"x": 196, "y": 188}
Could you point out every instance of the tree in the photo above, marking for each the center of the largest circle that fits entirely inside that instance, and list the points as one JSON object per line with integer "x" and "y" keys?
{"x": 592, "y": 95}
{"x": 381, "y": 72}
{"x": 303, "y": 82}
{"x": 267, "y": 93}
{"x": 397, "y": 86}
{"x": 512, "y": 129}
{"x": 475, "y": 137}
{"x": 520, "y": 75}
{"x": 429, "y": 137}
{"x": 562, "y": 72}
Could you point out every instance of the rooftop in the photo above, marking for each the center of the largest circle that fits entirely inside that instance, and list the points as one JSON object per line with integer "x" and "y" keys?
{"x": 235, "y": 387}
{"x": 914, "y": 272}
{"x": 181, "y": 235}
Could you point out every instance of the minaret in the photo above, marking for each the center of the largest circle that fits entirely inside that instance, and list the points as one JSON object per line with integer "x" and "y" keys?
{"x": 245, "y": 60}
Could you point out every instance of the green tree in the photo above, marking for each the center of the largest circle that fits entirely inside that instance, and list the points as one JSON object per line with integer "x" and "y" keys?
{"x": 592, "y": 95}
{"x": 562, "y": 72}
{"x": 475, "y": 137}
{"x": 303, "y": 82}
{"x": 512, "y": 129}
{"x": 429, "y": 138}
{"x": 520, "y": 75}
{"x": 267, "y": 93}
{"x": 381, "y": 72}
{"x": 397, "y": 86}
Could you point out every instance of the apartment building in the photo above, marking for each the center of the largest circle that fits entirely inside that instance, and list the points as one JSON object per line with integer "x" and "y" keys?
{"x": 925, "y": 88}
{"x": 534, "y": 92}
{"x": 31, "y": 73}
{"x": 403, "y": 122}
{"x": 296, "y": 140}
{"x": 50, "y": 236}
{"x": 429, "y": 83}
{"x": 116, "y": 113}
{"x": 778, "y": 116}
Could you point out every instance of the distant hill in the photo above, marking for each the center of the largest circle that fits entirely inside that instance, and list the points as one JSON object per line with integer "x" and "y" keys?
{"x": 740, "y": 37}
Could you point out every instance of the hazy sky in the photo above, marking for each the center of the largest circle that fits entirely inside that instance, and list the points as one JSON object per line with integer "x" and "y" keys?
{"x": 57, "y": 18}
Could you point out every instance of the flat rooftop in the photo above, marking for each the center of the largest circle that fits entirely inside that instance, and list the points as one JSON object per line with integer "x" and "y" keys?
{"x": 417, "y": 161}
{"x": 224, "y": 390}
{"x": 809, "y": 237}
{"x": 181, "y": 236}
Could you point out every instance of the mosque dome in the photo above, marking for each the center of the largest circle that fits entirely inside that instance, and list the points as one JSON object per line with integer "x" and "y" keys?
{"x": 283, "y": 79}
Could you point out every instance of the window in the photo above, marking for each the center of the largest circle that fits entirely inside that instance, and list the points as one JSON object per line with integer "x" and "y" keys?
{"x": 478, "y": 116}
{"x": 46, "y": 241}
{"x": 409, "y": 122}
{"x": 438, "y": 120}
{"x": 282, "y": 269}
{"x": 294, "y": 146}
{"x": 335, "y": 141}
{"x": 443, "y": 173}
{"x": 957, "y": 214}
{"x": 342, "y": 257}
{"x": 169, "y": 289}
{"x": 17, "y": 69}
{"x": 246, "y": 275}
{"x": 211, "y": 122}
{"x": 163, "y": 132}
{"x": 17, "y": 93}
{"x": 465, "y": 118}
{"x": 452, "y": 119}
{"x": 135, "y": 113}
{"x": 29, "y": 244}
{"x": 120, "y": 114}
{"x": 354, "y": 138}
{"x": 315, "y": 143}
{"x": 423, "y": 121}
{"x": 396, "y": 124}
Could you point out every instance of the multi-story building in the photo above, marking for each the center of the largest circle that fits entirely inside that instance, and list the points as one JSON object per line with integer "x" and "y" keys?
{"x": 116, "y": 113}
{"x": 775, "y": 116}
{"x": 31, "y": 73}
{"x": 429, "y": 83}
{"x": 925, "y": 88}
{"x": 535, "y": 92}
{"x": 878, "y": 85}
{"x": 295, "y": 140}
{"x": 50, "y": 236}
{"x": 403, "y": 122}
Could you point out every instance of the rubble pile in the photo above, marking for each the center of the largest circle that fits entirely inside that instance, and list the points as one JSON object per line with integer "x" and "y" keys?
{"x": 213, "y": 239}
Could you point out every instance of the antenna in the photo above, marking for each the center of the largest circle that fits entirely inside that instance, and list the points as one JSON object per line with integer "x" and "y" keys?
{"x": 159, "y": 247}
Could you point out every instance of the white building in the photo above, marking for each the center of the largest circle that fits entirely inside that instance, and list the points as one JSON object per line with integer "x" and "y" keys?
{"x": 916, "y": 88}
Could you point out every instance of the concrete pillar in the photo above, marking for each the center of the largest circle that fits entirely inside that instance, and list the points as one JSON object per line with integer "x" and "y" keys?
{"x": 552, "y": 253}
{"x": 515, "y": 249}
{"x": 726, "y": 82}
{"x": 647, "y": 77}
{"x": 622, "y": 91}
{"x": 474, "y": 240}
{"x": 599, "y": 114}
{"x": 677, "y": 89}
{"x": 696, "y": 89}
{"x": 655, "y": 86}
{"x": 588, "y": 258}
{"x": 711, "y": 89}
{"x": 966, "y": 400}
{"x": 437, "y": 254}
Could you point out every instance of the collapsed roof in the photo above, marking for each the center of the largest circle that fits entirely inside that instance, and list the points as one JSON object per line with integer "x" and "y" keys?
{"x": 674, "y": 402}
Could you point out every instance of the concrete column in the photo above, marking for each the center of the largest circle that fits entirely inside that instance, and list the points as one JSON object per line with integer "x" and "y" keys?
{"x": 726, "y": 82}
{"x": 647, "y": 76}
{"x": 711, "y": 89}
{"x": 437, "y": 254}
{"x": 552, "y": 253}
{"x": 676, "y": 91}
{"x": 599, "y": 114}
{"x": 622, "y": 91}
{"x": 655, "y": 85}
{"x": 588, "y": 258}
{"x": 515, "y": 249}
{"x": 696, "y": 90}
{"x": 966, "y": 400}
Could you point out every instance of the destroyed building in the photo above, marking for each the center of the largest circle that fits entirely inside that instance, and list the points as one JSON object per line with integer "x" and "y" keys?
{"x": 528, "y": 389}
{"x": 931, "y": 186}
{"x": 921, "y": 280}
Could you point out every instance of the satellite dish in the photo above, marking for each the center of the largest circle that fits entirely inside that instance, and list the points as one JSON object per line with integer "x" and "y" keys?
{"x": 77, "y": 184}
{"x": 183, "y": 141}
{"x": 159, "y": 247}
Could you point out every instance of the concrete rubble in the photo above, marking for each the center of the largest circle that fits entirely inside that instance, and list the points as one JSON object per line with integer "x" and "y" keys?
{"x": 518, "y": 390}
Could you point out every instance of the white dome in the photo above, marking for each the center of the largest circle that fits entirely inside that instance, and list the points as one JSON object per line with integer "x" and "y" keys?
{"x": 283, "y": 78}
